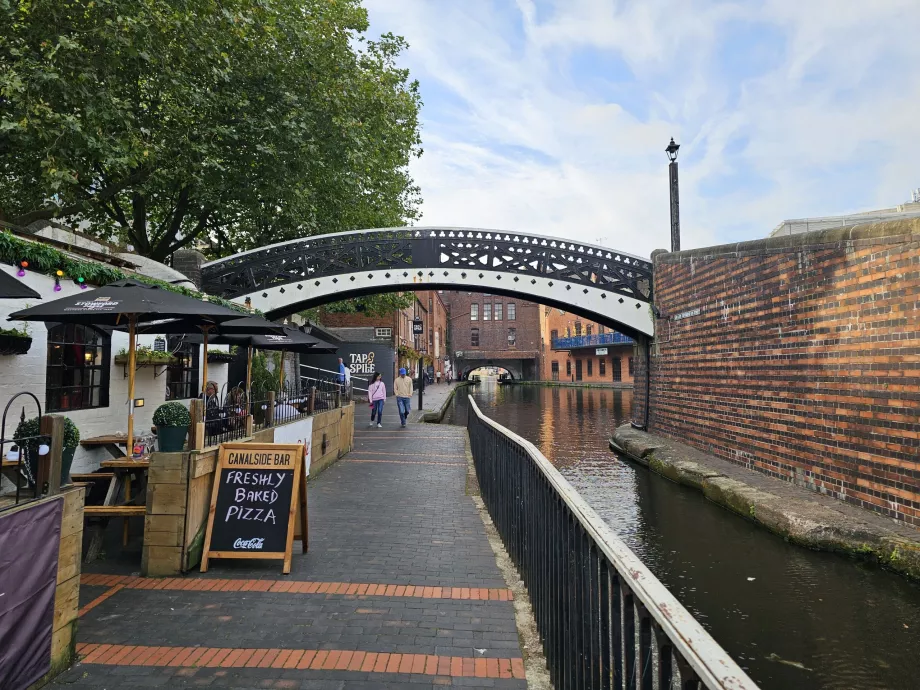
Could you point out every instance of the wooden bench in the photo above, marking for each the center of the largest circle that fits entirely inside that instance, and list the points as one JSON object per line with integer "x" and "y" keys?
{"x": 91, "y": 476}
{"x": 114, "y": 511}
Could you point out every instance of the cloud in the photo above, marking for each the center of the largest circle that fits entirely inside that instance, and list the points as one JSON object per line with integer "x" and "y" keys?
{"x": 552, "y": 116}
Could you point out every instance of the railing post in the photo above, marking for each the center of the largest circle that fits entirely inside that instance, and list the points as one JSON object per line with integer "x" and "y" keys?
{"x": 196, "y": 428}
{"x": 49, "y": 466}
{"x": 270, "y": 409}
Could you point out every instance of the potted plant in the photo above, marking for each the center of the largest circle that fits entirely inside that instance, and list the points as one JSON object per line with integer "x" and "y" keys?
{"x": 27, "y": 436}
{"x": 172, "y": 421}
{"x": 14, "y": 341}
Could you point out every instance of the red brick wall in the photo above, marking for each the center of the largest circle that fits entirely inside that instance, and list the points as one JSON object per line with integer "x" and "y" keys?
{"x": 566, "y": 324}
{"x": 493, "y": 334}
{"x": 803, "y": 362}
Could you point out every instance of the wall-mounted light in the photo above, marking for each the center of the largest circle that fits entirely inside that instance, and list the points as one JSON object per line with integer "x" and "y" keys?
{"x": 88, "y": 356}
{"x": 43, "y": 449}
{"x": 138, "y": 402}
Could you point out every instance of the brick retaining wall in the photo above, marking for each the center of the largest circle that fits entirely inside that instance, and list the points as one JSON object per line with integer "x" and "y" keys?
{"x": 803, "y": 361}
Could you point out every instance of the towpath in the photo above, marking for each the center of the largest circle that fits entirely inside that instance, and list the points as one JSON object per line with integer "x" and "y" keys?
{"x": 399, "y": 589}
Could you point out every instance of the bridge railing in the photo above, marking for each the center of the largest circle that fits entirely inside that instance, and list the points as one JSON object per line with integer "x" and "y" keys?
{"x": 604, "y": 619}
{"x": 593, "y": 340}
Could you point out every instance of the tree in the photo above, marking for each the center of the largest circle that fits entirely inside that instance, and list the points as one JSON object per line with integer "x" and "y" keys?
{"x": 242, "y": 122}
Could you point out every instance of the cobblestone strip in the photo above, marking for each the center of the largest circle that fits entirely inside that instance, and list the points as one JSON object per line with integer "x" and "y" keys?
{"x": 312, "y": 659}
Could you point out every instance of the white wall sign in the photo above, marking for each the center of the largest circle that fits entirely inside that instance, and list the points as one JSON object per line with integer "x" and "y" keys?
{"x": 601, "y": 351}
{"x": 300, "y": 431}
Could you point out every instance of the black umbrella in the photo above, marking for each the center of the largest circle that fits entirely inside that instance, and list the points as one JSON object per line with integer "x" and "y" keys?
{"x": 127, "y": 302}
{"x": 241, "y": 327}
{"x": 10, "y": 288}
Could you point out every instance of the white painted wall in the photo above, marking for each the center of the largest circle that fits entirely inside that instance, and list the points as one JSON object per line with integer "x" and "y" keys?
{"x": 27, "y": 373}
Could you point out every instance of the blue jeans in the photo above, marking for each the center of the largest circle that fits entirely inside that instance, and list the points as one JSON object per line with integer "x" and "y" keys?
{"x": 404, "y": 405}
{"x": 377, "y": 411}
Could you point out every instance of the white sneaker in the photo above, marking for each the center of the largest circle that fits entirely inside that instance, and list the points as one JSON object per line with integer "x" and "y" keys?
{"x": 371, "y": 424}
{"x": 380, "y": 426}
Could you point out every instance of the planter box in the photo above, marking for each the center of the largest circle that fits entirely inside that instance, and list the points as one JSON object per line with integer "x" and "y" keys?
{"x": 144, "y": 360}
{"x": 220, "y": 357}
{"x": 14, "y": 344}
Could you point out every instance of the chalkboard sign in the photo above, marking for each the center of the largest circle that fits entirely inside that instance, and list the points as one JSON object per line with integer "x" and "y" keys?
{"x": 254, "y": 501}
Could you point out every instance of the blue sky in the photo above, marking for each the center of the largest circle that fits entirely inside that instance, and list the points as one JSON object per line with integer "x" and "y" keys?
{"x": 552, "y": 116}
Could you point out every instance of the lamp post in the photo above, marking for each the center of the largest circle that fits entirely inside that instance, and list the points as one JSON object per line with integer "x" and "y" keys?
{"x": 675, "y": 201}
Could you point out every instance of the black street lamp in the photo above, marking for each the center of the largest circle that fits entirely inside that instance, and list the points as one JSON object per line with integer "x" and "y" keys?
{"x": 675, "y": 200}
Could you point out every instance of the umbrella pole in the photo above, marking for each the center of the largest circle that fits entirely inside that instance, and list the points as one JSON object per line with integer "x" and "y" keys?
{"x": 249, "y": 373}
{"x": 132, "y": 359}
{"x": 281, "y": 373}
{"x": 204, "y": 371}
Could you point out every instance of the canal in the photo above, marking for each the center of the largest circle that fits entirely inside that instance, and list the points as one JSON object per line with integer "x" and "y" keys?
{"x": 792, "y": 618}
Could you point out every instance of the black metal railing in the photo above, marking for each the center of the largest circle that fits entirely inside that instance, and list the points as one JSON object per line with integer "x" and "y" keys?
{"x": 20, "y": 455}
{"x": 226, "y": 417}
{"x": 604, "y": 619}
{"x": 295, "y": 401}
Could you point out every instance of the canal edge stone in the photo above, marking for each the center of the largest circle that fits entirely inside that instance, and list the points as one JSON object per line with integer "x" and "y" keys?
{"x": 803, "y": 521}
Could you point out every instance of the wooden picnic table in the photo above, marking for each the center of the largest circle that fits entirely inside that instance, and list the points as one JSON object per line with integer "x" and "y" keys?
{"x": 111, "y": 442}
{"x": 121, "y": 472}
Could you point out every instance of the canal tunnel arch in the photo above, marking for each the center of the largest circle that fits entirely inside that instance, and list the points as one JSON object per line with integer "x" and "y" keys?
{"x": 598, "y": 283}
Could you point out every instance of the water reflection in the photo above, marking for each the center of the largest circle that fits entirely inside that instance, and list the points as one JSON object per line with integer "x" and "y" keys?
{"x": 791, "y": 617}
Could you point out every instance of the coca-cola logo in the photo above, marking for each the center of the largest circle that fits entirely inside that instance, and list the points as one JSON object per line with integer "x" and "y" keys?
{"x": 249, "y": 544}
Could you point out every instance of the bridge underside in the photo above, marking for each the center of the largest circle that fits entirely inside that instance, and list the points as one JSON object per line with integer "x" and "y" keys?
{"x": 628, "y": 315}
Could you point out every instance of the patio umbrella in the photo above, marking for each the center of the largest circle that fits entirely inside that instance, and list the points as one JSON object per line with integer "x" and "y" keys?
{"x": 10, "y": 288}
{"x": 127, "y": 302}
{"x": 241, "y": 326}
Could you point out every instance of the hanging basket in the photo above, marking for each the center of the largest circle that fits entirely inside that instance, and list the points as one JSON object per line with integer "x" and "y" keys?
{"x": 14, "y": 344}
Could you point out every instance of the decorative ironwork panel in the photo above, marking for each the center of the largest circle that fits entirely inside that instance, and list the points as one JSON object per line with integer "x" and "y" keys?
{"x": 429, "y": 248}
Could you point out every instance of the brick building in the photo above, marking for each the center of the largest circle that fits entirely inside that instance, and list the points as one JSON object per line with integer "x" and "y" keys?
{"x": 494, "y": 330}
{"x": 395, "y": 329}
{"x": 575, "y": 349}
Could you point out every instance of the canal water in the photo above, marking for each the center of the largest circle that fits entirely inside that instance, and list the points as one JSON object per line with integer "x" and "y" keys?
{"x": 792, "y": 618}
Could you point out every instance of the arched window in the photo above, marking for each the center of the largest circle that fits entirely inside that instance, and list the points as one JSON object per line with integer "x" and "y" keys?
{"x": 79, "y": 362}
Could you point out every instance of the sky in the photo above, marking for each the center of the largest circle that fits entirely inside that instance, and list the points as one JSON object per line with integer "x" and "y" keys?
{"x": 552, "y": 116}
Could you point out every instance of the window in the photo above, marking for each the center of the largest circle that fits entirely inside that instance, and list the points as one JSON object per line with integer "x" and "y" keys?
{"x": 486, "y": 312}
{"x": 602, "y": 366}
{"x": 498, "y": 311}
{"x": 182, "y": 377}
{"x": 77, "y": 375}
{"x": 512, "y": 337}
{"x": 578, "y": 375}
{"x": 474, "y": 337}
{"x": 632, "y": 369}
{"x": 601, "y": 330}
{"x": 568, "y": 367}
{"x": 578, "y": 328}
{"x": 555, "y": 370}
{"x": 590, "y": 367}
{"x": 553, "y": 334}
{"x": 511, "y": 312}
{"x": 617, "y": 369}
{"x": 589, "y": 329}
{"x": 474, "y": 312}
{"x": 383, "y": 332}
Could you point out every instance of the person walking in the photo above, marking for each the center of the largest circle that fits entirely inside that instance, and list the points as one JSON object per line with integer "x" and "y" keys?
{"x": 403, "y": 389}
{"x": 376, "y": 394}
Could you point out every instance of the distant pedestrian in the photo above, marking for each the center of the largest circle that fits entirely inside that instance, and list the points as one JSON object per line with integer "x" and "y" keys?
{"x": 343, "y": 372}
{"x": 376, "y": 394}
{"x": 403, "y": 389}
{"x": 438, "y": 375}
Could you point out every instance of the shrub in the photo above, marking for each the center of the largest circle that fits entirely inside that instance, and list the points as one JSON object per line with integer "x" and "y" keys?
{"x": 172, "y": 414}
{"x": 30, "y": 428}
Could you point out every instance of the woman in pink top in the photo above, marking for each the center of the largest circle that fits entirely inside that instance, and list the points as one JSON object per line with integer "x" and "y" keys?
{"x": 376, "y": 394}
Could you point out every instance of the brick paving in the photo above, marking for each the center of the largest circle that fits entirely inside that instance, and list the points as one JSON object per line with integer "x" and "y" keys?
{"x": 399, "y": 589}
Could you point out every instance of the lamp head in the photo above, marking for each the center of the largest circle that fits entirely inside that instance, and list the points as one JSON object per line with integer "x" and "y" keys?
{"x": 672, "y": 150}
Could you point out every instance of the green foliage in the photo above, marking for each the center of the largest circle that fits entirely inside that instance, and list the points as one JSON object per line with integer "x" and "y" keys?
{"x": 48, "y": 260}
{"x": 373, "y": 305}
{"x": 15, "y": 332}
{"x": 146, "y": 355}
{"x": 29, "y": 428}
{"x": 242, "y": 122}
{"x": 172, "y": 414}
{"x": 408, "y": 352}
{"x": 264, "y": 380}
